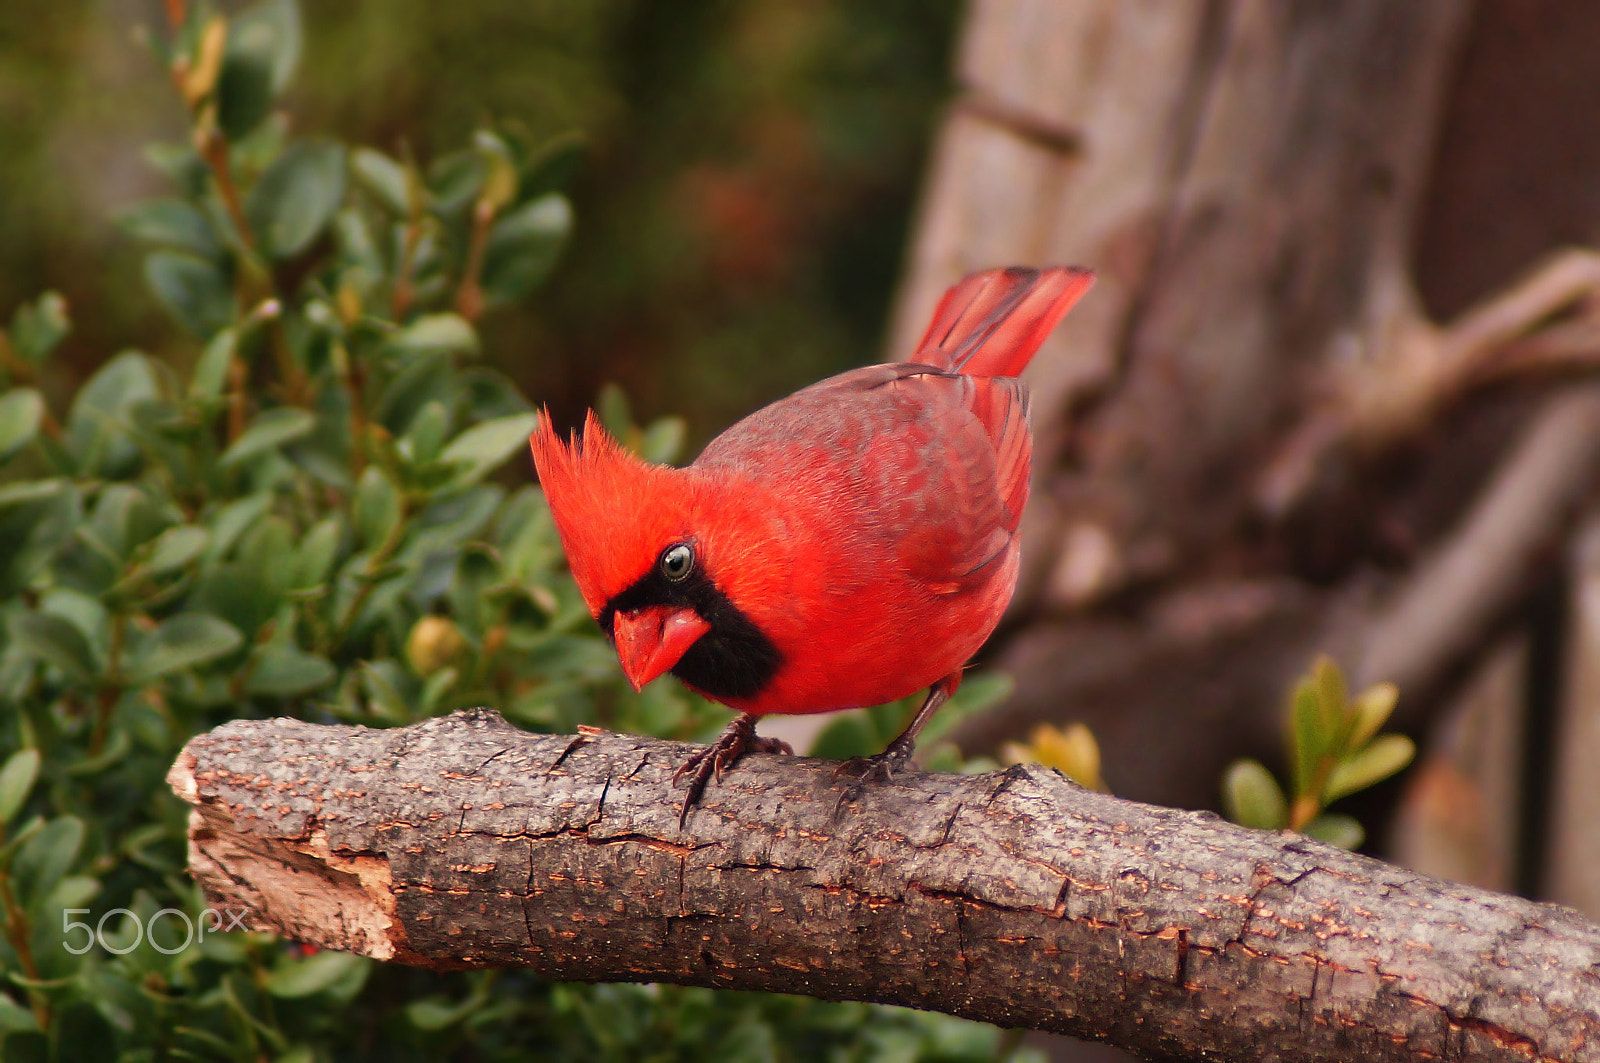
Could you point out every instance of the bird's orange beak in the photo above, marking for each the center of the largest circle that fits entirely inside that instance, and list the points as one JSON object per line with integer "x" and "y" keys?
{"x": 650, "y": 641}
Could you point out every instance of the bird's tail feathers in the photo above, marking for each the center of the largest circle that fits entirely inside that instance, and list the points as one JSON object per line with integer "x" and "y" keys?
{"x": 992, "y": 323}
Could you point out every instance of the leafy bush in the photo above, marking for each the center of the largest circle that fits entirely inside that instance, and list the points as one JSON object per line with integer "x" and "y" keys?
{"x": 304, "y": 521}
{"x": 1335, "y": 750}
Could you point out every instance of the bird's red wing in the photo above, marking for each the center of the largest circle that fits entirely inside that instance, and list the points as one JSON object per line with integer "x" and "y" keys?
{"x": 1001, "y": 405}
{"x": 931, "y": 468}
{"x": 981, "y": 453}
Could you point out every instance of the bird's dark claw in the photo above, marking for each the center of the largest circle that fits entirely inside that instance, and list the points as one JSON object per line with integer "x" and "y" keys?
{"x": 739, "y": 738}
{"x": 875, "y": 770}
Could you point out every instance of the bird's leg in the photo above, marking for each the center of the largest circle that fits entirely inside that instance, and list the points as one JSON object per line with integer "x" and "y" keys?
{"x": 738, "y": 739}
{"x": 881, "y": 767}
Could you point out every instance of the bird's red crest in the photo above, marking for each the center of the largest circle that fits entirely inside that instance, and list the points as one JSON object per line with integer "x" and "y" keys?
{"x": 613, "y": 510}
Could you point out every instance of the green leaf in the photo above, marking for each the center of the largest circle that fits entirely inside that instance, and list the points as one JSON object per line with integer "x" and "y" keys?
{"x": 1308, "y": 737}
{"x": 1372, "y": 711}
{"x": 172, "y": 223}
{"x": 14, "y": 1018}
{"x": 232, "y": 520}
{"x": 1251, "y": 797}
{"x": 491, "y": 394}
{"x": 125, "y": 517}
{"x": 271, "y": 429}
{"x": 16, "y": 780}
{"x": 283, "y": 670}
{"x": 73, "y": 891}
{"x": 1386, "y": 755}
{"x": 175, "y": 548}
{"x": 384, "y": 178}
{"x": 124, "y": 380}
{"x": 1336, "y": 829}
{"x": 238, "y": 992}
{"x": 296, "y": 197}
{"x": 552, "y": 167}
{"x": 980, "y": 691}
{"x": 364, "y": 262}
{"x": 38, "y": 328}
{"x": 95, "y": 435}
{"x": 1332, "y": 695}
{"x": 455, "y": 180}
{"x": 186, "y": 640}
{"x": 21, "y": 413}
{"x": 263, "y": 47}
{"x": 850, "y": 734}
{"x": 55, "y": 641}
{"x": 30, "y": 491}
{"x": 295, "y": 978}
{"x": 483, "y": 447}
{"x": 117, "y": 746}
{"x": 317, "y": 553}
{"x": 83, "y": 611}
{"x": 753, "y": 1041}
{"x": 436, "y": 1013}
{"x": 42, "y": 861}
{"x": 523, "y": 248}
{"x": 193, "y": 290}
{"x": 380, "y": 681}
{"x": 500, "y": 174}
{"x": 435, "y": 688}
{"x": 436, "y": 334}
{"x": 376, "y": 509}
{"x": 180, "y": 164}
{"x": 244, "y": 93}
{"x": 211, "y": 371}
{"x": 242, "y": 595}
{"x": 37, "y": 520}
{"x": 427, "y": 432}
{"x": 270, "y": 29}
{"x": 663, "y": 441}
{"x": 31, "y": 1046}
{"x": 616, "y": 413}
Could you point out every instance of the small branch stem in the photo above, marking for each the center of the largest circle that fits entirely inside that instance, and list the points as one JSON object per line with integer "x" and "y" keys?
{"x": 17, "y": 934}
{"x": 469, "y": 296}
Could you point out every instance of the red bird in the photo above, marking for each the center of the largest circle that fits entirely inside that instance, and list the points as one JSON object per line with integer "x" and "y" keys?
{"x": 845, "y": 546}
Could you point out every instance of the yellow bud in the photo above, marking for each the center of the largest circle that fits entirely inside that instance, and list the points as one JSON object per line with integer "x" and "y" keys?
{"x": 198, "y": 80}
{"x": 1073, "y": 751}
{"x": 348, "y": 301}
{"x": 434, "y": 643}
{"x": 499, "y": 187}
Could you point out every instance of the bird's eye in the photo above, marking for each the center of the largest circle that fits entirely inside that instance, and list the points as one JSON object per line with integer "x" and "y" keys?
{"x": 677, "y": 562}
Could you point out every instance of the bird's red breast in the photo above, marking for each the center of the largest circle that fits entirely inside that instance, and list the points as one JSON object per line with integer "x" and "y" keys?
{"x": 845, "y": 546}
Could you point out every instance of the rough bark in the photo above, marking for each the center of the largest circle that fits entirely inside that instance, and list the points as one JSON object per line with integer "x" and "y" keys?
{"x": 1253, "y": 443}
{"x": 1016, "y": 897}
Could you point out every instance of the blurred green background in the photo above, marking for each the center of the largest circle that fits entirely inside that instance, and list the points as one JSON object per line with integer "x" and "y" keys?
{"x": 750, "y": 173}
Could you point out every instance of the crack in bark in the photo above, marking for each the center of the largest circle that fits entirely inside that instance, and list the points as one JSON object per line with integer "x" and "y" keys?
{"x": 567, "y": 750}
{"x": 1526, "y": 1047}
{"x": 498, "y": 753}
{"x": 600, "y": 805}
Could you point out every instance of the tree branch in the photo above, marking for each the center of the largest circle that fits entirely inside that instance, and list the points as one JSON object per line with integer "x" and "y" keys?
{"x": 1016, "y": 898}
{"x": 1515, "y": 527}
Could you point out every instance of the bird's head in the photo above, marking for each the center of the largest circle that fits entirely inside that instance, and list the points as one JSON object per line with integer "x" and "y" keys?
{"x": 645, "y": 562}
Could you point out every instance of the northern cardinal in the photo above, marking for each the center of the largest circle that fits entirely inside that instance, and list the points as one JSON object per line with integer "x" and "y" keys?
{"x": 845, "y": 546}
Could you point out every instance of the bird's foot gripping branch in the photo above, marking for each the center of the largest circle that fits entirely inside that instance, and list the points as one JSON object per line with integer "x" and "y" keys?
{"x": 1014, "y": 897}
